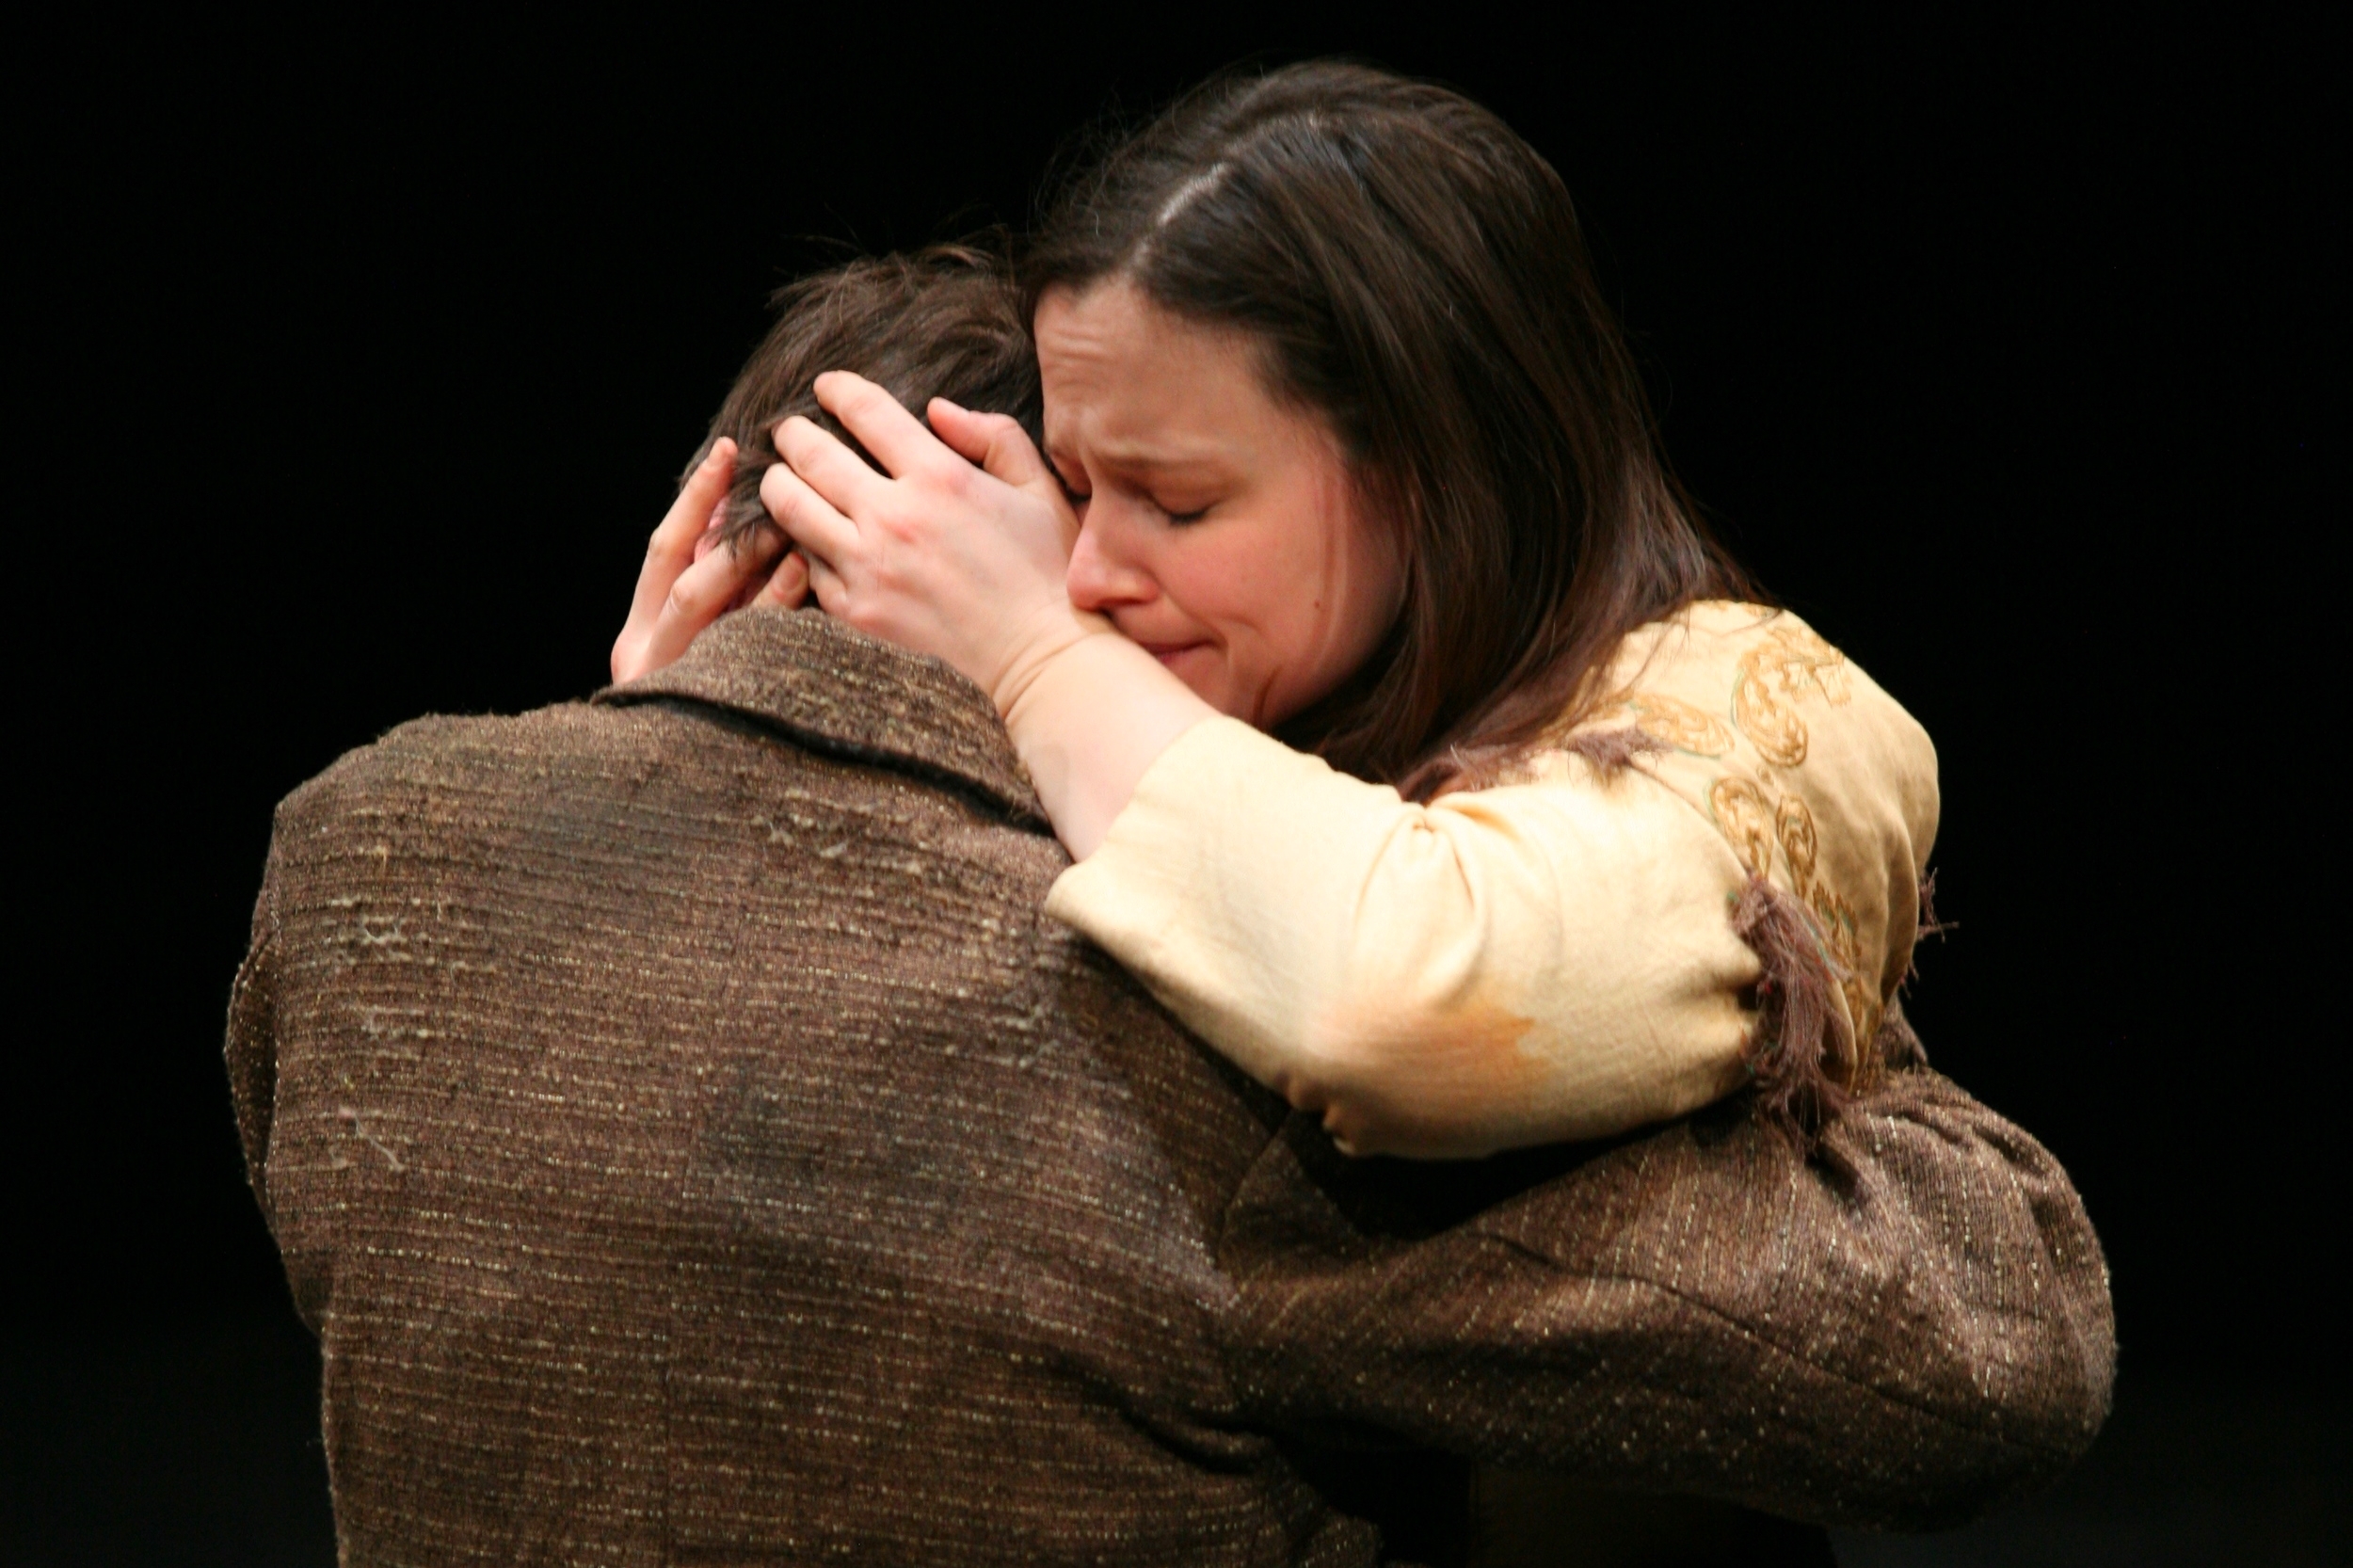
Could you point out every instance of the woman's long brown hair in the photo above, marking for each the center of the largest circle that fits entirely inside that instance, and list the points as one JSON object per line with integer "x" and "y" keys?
{"x": 1414, "y": 272}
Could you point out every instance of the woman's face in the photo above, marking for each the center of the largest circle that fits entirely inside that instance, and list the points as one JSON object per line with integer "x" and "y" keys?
{"x": 1217, "y": 526}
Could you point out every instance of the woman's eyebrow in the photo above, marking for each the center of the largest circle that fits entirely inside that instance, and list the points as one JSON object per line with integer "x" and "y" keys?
{"x": 1139, "y": 457}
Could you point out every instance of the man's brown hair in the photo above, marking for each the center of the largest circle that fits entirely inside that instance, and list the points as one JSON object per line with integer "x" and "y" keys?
{"x": 943, "y": 322}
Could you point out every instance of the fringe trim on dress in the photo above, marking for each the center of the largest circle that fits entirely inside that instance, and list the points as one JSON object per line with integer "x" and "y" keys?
{"x": 1609, "y": 750}
{"x": 1803, "y": 1061}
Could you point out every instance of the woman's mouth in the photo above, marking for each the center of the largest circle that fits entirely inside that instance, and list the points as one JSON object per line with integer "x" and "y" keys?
{"x": 1167, "y": 653}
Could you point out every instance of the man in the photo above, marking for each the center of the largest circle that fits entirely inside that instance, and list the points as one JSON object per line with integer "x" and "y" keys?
{"x": 691, "y": 1142}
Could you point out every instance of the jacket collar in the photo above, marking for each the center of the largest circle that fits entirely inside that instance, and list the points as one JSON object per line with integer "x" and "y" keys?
{"x": 838, "y": 690}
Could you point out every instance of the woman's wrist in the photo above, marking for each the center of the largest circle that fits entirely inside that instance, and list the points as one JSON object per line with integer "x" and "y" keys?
{"x": 1089, "y": 715}
{"x": 1055, "y": 634}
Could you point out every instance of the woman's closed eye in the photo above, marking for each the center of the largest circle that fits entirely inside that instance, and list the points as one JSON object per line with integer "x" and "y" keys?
{"x": 1076, "y": 494}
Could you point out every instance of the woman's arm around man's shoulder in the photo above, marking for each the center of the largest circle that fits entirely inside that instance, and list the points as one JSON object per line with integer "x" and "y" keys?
{"x": 1555, "y": 956}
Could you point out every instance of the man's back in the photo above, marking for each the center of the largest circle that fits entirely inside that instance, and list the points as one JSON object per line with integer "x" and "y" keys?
{"x": 700, "y": 1142}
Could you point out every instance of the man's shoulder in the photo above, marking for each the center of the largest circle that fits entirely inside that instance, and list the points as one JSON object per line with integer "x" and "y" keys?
{"x": 661, "y": 775}
{"x": 441, "y": 750}
{"x": 469, "y": 789}
{"x": 835, "y": 690}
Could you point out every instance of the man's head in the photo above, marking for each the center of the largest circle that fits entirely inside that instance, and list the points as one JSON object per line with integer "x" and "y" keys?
{"x": 943, "y": 322}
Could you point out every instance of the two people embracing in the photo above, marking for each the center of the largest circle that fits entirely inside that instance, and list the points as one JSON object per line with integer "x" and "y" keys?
{"x": 1204, "y": 926}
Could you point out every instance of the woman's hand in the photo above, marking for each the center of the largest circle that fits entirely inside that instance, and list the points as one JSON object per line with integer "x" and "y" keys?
{"x": 688, "y": 581}
{"x": 968, "y": 563}
{"x": 961, "y": 562}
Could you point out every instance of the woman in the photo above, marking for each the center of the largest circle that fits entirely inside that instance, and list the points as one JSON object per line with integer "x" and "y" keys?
{"x": 1408, "y": 731}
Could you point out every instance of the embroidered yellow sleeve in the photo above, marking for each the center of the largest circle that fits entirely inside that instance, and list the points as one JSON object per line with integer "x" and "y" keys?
{"x": 1819, "y": 781}
{"x": 1546, "y": 960}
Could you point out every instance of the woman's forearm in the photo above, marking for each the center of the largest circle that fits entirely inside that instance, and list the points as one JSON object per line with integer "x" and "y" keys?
{"x": 1089, "y": 720}
{"x": 1506, "y": 967}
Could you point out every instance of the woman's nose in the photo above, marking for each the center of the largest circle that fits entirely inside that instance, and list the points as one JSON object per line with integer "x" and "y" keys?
{"x": 1101, "y": 575}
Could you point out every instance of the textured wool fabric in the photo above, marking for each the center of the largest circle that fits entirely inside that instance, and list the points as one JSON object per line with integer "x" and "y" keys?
{"x": 1745, "y": 1357}
{"x": 1551, "y": 957}
{"x": 692, "y": 1142}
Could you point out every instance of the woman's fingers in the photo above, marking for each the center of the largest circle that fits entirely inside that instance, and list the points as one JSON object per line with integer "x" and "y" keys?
{"x": 995, "y": 442}
{"x": 1005, "y": 451}
{"x": 807, "y": 517}
{"x": 703, "y": 593}
{"x": 787, "y": 587}
{"x": 833, "y": 595}
{"x": 705, "y": 490}
{"x": 845, "y": 480}
{"x": 896, "y": 437}
{"x": 670, "y": 553}
{"x": 672, "y": 547}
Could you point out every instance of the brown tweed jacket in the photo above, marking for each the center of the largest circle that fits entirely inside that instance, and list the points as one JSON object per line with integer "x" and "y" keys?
{"x": 691, "y": 1144}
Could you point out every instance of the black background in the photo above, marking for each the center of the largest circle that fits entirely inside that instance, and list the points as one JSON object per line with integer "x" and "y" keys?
{"x": 352, "y": 371}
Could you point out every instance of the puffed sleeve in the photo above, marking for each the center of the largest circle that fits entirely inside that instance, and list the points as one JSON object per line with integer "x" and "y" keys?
{"x": 1553, "y": 958}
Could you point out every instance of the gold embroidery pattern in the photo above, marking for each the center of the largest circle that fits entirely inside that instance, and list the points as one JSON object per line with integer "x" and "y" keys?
{"x": 1834, "y": 918}
{"x": 1745, "y": 817}
{"x": 1793, "y": 823}
{"x": 1776, "y": 674}
{"x": 1755, "y": 820}
{"x": 1679, "y": 723}
{"x": 1780, "y": 673}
